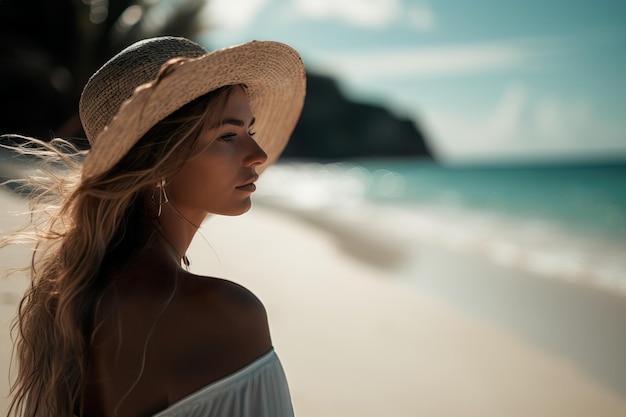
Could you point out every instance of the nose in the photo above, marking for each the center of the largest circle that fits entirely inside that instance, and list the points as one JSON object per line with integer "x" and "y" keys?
{"x": 256, "y": 155}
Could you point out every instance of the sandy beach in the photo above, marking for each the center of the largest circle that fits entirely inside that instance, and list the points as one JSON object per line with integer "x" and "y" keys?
{"x": 465, "y": 338}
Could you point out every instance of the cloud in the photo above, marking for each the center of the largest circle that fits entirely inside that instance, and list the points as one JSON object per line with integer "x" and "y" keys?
{"x": 421, "y": 17}
{"x": 550, "y": 115}
{"x": 518, "y": 126}
{"x": 436, "y": 62}
{"x": 469, "y": 134}
{"x": 230, "y": 14}
{"x": 368, "y": 13}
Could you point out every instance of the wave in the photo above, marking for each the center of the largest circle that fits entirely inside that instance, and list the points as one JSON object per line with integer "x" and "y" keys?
{"x": 335, "y": 198}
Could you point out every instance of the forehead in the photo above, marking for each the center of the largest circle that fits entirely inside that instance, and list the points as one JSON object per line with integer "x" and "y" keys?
{"x": 235, "y": 111}
{"x": 237, "y": 103}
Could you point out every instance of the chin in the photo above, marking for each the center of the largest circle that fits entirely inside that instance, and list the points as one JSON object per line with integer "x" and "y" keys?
{"x": 237, "y": 211}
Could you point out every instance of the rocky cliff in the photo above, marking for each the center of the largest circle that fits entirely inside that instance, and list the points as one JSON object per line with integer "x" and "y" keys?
{"x": 332, "y": 127}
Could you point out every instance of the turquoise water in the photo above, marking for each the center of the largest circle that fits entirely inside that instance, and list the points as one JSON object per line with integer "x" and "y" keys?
{"x": 560, "y": 221}
{"x": 588, "y": 199}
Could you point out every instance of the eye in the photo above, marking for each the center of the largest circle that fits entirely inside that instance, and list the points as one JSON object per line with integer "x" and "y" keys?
{"x": 227, "y": 137}
{"x": 251, "y": 133}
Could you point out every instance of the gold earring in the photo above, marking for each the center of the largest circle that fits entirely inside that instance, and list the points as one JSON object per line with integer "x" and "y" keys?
{"x": 163, "y": 199}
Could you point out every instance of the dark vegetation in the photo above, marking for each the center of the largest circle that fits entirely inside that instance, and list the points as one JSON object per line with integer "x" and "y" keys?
{"x": 49, "y": 48}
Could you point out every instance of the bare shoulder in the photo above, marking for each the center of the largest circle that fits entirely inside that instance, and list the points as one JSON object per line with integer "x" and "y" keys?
{"x": 223, "y": 298}
{"x": 214, "y": 328}
{"x": 223, "y": 310}
{"x": 193, "y": 306}
{"x": 177, "y": 332}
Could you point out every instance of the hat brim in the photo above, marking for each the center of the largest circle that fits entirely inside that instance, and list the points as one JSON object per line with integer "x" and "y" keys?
{"x": 275, "y": 82}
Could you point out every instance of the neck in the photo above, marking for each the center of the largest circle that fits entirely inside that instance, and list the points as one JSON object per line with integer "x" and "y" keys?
{"x": 177, "y": 230}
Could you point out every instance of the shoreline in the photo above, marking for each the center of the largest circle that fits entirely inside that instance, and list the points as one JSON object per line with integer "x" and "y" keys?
{"x": 574, "y": 319}
{"x": 337, "y": 199}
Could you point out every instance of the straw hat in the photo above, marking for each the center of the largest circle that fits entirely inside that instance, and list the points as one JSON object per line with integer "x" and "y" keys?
{"x": 120, "y": 102}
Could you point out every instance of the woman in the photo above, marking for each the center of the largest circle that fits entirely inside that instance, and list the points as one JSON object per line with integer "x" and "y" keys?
{"x": 114, "y": 324}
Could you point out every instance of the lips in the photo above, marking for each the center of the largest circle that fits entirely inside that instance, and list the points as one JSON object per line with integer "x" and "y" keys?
{"x": 248, "y": 187}
{"x": 249, "y": 184}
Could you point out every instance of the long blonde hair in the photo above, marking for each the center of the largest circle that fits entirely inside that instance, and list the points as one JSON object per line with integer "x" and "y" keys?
{"x": 75, "y": 224}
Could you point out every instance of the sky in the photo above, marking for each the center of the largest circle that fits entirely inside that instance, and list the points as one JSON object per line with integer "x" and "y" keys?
{"x": 485, "y": 80}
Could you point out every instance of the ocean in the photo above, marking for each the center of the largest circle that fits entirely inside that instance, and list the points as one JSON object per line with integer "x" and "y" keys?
{"x": 565, "y": 222}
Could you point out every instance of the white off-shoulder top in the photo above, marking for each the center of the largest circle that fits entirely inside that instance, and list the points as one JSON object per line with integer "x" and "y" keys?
{"x": 258, "y": 390}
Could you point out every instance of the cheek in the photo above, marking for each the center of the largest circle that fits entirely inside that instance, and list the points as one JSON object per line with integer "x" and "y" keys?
{"x": 198, "y": 181}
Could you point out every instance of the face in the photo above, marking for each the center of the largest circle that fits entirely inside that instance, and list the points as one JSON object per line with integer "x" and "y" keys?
{"x": 219, "y": 178}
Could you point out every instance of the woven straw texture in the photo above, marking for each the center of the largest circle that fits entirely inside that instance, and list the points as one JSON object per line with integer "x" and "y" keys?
{"x": 120, "y": 104}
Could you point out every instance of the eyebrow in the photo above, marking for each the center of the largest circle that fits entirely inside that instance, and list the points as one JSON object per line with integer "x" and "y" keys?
{"x": 234, "y": 122}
